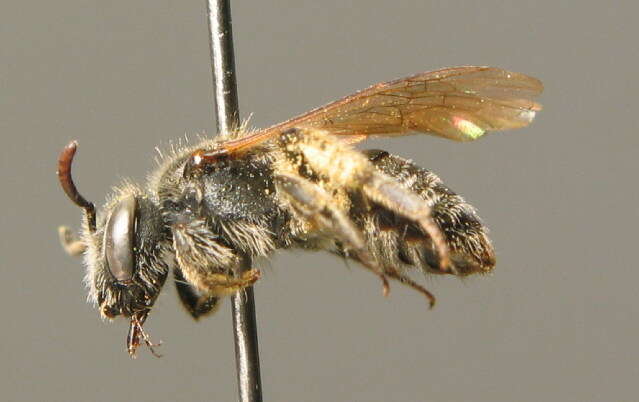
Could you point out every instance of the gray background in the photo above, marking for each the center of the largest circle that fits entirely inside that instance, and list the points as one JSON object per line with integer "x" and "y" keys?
{"x": 556, "y": 322}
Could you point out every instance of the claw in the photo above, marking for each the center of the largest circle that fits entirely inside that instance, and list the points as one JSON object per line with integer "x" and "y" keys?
{"x": 407, "y": 281}
{"x": 135, "y": 332}
{"x": 368, "y": 262}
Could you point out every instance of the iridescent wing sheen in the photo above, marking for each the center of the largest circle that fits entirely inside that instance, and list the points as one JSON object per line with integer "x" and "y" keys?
{"x": 459, "y": 103}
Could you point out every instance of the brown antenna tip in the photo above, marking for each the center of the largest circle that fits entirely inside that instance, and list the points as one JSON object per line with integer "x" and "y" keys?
{"x": 65, "y": 160}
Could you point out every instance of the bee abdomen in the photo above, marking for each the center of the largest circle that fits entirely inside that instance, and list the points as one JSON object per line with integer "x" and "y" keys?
{"x": 395, "y": 241}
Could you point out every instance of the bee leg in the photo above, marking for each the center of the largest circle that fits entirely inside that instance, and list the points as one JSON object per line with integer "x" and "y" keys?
{"x": 136, "y": 331}
{"x": 224, "y": 284}
{"x": 322, "y": 154}
{"x": 393, "y": 273}
{"x": 314, "y": 204}
{"x": 386, "y": 192}
{"x": 71, "y": 244}
{"x": 197, "y": 304}
{"x": 207, "y": 264}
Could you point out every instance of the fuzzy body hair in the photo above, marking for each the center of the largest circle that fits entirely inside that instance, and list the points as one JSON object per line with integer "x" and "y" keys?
{"x": 305, "y": 190}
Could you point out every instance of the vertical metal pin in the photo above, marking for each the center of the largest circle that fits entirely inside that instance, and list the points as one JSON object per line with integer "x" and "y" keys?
{"x": 227, "y": 111}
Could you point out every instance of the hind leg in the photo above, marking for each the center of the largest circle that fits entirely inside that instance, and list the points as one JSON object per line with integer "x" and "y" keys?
{"x": 339, "y": 167}
{"x": 316, "y": 206}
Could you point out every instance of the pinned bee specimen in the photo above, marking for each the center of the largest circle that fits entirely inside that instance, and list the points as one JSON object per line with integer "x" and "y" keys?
{"x": 299, "y": 184}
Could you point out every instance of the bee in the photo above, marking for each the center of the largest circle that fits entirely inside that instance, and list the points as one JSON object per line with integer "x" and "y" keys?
{"x": 299, "y": 184}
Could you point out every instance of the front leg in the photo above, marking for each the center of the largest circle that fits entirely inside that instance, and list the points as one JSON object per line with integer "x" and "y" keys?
{"x": 205, "y": 262}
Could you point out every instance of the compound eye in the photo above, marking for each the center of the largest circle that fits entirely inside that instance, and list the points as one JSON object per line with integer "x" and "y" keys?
{"x": 119, "y": 239}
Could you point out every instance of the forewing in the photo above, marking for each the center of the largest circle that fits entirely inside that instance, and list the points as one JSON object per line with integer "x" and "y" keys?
{"x": 460, "y": 103}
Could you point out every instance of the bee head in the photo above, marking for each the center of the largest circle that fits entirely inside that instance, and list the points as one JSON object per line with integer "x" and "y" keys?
{"x": 124, "y": 247}
{"x": 125, "y": 254}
